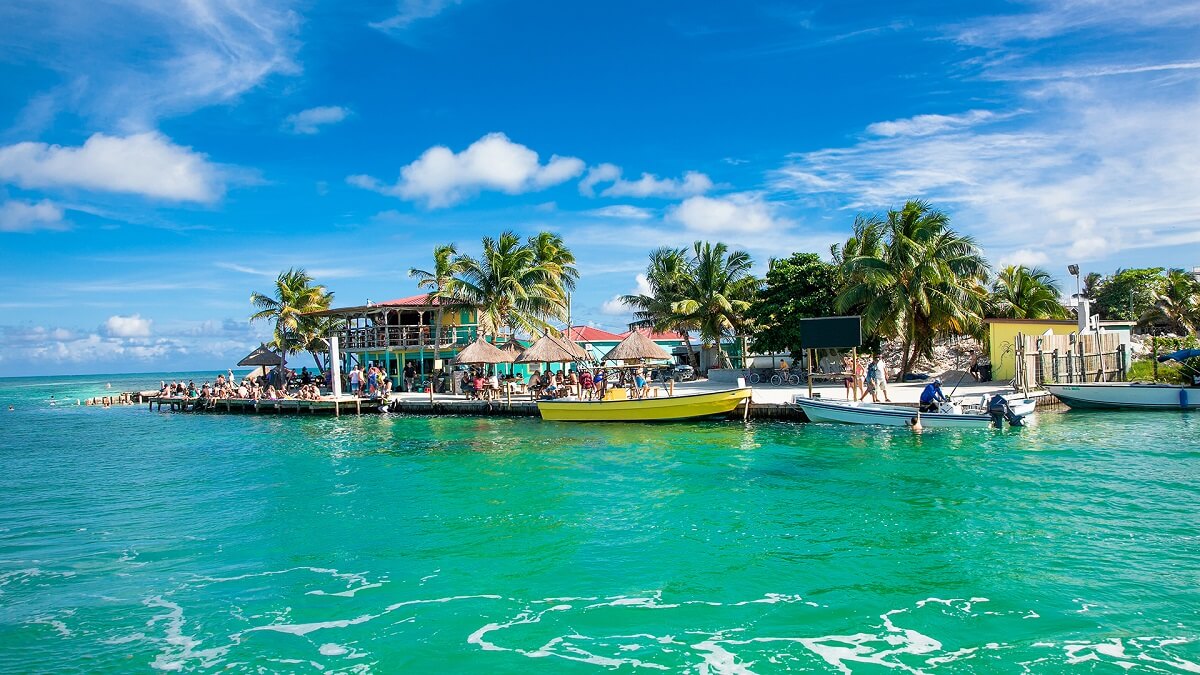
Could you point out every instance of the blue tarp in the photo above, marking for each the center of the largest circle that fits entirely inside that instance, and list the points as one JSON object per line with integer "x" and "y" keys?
{"x": 1180, "y": 355}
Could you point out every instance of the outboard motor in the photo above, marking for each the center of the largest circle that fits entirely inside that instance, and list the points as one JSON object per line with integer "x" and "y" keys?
{"x": 999, "y": 410}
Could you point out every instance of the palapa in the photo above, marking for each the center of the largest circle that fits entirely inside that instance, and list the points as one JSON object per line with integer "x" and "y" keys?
{"x": 547, "y": 349}
{"x": 634, "y": 347}
{"x": 263, "y": 356}
{"x": 481, "y": 351}
{"x": 572, "y": 346}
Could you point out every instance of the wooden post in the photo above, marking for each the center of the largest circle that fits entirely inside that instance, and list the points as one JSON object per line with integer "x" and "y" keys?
{"x": 854, "y": 373}
{"x": 810, "y": 372}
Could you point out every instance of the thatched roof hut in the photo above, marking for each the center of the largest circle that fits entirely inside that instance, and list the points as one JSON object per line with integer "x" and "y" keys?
{"x": 636, "y": 346}
{"x": 549, "y": 349}
{"x": 263, "y": 356}
{"x": 483, "y": 352}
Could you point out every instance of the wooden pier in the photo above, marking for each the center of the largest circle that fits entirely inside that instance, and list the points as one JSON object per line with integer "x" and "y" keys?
{"x": 346, "y": 405}
{"x": 349, "y": 405}
{"x": 441, "y": 405}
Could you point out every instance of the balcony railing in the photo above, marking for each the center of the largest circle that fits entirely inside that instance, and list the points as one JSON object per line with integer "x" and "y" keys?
{"x": 404, "y": 337}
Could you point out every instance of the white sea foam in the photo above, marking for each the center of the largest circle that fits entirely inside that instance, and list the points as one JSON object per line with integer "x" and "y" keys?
{"x": 349, "y": 593}
{"x": 179, "y": 648}
{"x": 331, "y": 649}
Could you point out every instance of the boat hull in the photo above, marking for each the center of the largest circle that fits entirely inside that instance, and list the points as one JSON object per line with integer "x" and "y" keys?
{"x": 1117, "y": 395}
{"x": 672, "y": 408}
{"x": 850, "y": 412}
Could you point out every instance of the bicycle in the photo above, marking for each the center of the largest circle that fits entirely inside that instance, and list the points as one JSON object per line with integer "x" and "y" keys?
{"x": 778, "y": 378}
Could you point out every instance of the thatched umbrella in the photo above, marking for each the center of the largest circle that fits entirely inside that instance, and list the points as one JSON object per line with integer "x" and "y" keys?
{"x": 548, "y": 349}
{"x": 636, "y": 346}
{"x": 483, "y": 352}
{"x": 574, "y": 347}
{"x": 263, "y": 356}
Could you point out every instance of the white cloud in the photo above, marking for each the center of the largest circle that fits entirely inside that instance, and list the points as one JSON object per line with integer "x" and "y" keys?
{"x": 623, "y": 212}
{"x": 603, "y": 173}
{"x": 649, "y": 185}
{"x": 19, "y": 216}
{"x": 147, "y": 164}
{"x": 642, "y": 285}
{"x": 1085, "y": 173}
{"x": 133, "y": 326}
{"x": 213, "y": 343}
{"x": 923, "y": 125}
{"x": 310, "y": 121}
{"x": 441, "y": 177}
{"x": 132, "y": 62}
{"x": 615, "y": 307}
{"x": 1025, "y": 257}
{"x": 739, "y": 213}
{"x": 410, "y": 11}
{"x": 1049, "y": 19}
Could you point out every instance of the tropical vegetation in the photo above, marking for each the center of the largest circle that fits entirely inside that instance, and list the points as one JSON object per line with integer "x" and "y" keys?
{"x": 288, "y": 305}
{"x": 912, "y": 278}
{"x": 1176, "y": 305}
{"x": 799, "y": 286}
{"x": 1020, "y": 292}
{"x": 709, "y": 289}
{"x": 440, "y": 282}
{"x": 517, "y": 285}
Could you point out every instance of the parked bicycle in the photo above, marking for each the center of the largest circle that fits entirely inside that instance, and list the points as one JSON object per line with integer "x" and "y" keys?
{"x": 778, "y": 377}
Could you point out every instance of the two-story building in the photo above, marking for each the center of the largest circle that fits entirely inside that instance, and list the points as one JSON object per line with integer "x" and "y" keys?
{"x": 396, "y": 332}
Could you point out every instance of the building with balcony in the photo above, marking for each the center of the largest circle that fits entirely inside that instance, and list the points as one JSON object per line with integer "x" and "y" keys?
{"x": 395, "y": 332}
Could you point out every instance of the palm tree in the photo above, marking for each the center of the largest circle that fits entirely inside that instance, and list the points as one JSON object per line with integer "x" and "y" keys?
{"x": 510, "y": 287}
{"x": 924, "y": 280}
{"x": 440, "y": 281}
{"x": 555, "y": 261}
{"x": 654, "y": 310}
{"x": 295, "y": 296}
{"x": 1176, "y": 303}
{"x": 1025, "y": 293}
{"x": 716, "y": 293}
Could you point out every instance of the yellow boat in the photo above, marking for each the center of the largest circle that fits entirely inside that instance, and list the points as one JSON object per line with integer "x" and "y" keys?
{"x": 687, "y": 407}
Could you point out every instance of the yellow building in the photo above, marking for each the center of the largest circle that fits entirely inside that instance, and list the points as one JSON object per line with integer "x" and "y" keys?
{"x": 1002, "y": 335}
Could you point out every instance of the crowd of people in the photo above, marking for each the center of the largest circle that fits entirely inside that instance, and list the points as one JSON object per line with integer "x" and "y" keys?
{"x": 583, "y": 384}
{"x": 373, "y": 381}
{"x": 273, "y": 386}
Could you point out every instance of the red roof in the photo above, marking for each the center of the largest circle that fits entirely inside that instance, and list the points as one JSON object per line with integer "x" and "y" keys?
{"x": 589, "y": 334}
{"x": 421, "y": 300}
{"x": 666, "y": 335}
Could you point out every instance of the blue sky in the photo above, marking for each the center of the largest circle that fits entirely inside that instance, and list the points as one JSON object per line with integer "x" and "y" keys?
{"x": 159, "y": 161}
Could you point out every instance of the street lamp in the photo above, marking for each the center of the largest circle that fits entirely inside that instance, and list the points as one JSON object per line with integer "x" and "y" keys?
{"x": 1074, "y": 270}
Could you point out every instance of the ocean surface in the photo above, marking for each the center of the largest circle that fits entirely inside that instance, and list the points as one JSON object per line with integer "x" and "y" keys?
{"x": 133, "y": 540}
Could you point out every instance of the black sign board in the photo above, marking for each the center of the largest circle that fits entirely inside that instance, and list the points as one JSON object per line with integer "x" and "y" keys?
{"x": 831, "y": 332}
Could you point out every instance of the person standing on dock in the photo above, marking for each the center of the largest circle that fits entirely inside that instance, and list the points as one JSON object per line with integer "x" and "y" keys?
{"x": 410, "y": 376}
{"x": 877, "y": 379}
{"x": 355, "y": 380}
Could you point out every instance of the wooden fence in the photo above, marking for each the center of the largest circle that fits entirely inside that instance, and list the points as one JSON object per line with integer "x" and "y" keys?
{"x": 1069, "y": 358}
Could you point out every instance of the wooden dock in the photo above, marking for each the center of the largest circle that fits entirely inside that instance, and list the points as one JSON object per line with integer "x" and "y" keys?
{"x": 349, "y": 405}
{"x": 409, "y": 405}
{"x": 346, "y": 405}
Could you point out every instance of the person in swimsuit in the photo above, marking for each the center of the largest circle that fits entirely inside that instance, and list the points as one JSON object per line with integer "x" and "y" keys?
{"x": 848, "y": 377}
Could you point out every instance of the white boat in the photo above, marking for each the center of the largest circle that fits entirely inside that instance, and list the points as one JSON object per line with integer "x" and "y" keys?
{"x": 857, "y": 412}
{"x": 1126, "y": 395}
{"x": 1019, "y": 405}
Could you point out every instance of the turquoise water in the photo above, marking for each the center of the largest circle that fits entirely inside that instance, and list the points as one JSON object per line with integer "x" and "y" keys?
{"x": 135, "y": 540}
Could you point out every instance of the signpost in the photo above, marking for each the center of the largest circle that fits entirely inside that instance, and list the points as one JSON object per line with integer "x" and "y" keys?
{"x": 830, "y": 332}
